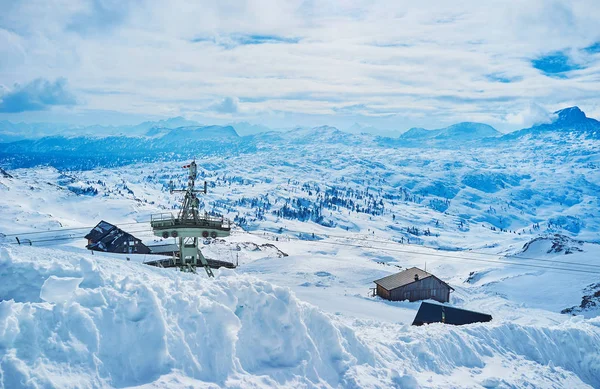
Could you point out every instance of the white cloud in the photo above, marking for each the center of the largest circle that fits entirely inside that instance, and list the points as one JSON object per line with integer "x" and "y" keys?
{"x": 428, "y": 62}
{"x": 38, "y": 95}
{"x": 532, "y": 115}
{"x": 228, "y": 105}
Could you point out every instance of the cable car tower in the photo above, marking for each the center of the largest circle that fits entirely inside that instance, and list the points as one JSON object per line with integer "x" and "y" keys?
{"x": 190, "y": 225}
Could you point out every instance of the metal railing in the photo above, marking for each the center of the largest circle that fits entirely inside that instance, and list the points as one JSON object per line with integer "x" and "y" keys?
{"x": 167, "y": 220}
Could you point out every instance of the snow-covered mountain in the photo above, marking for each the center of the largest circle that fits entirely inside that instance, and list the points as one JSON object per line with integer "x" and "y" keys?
{"x": 156, "y": 140}
{"x": 191, "y": 134}
{"x": 568, "y": 122}
{"x": 245, "y": 128}
{"x": 460, "y": 132}
{"x": 457, "y": 135}
{"x": 323, "y": 135}
{"x": 11, "y": 132}
{"x": 156, "y": 144}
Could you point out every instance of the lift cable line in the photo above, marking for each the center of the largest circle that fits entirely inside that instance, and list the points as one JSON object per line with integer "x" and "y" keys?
{"x": 191, "y": 202}
{"x": 28, "y": 241}
{"x": 439, "y": 255}
{"x": 63, "y": 238}
{"x": 328, "y": 236}
{"x": 70, "y": 229}
{"x": 433, "y": 248}
{"x": 452, "y": 256}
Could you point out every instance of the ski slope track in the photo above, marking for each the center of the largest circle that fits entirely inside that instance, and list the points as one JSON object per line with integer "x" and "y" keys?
{"x": 70, "y": 321}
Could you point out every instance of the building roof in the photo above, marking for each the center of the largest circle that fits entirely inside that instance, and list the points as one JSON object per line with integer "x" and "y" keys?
{"x": 108, "y": 237}
{"x": 404, "y": 278}
{"x": 437, "y": 313}
{"x": 100, "y": 231}
{"x": 164, "y": 248}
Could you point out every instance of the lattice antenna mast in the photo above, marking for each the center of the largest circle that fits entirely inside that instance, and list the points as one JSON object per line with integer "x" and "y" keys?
{"x": 189, "y": 227}
{"x": 191, "y": 203}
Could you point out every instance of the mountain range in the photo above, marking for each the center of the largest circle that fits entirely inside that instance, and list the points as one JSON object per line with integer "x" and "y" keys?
{"x": 179, "y": 137}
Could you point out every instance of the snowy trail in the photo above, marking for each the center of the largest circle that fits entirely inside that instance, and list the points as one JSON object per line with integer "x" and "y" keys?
{"x": 71, "y": 320}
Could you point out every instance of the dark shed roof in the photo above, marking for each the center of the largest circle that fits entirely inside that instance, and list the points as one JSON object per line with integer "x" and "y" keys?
{"x": 99, "y": 231}
{"x": 403, "y": 278}
{"x": 437, "y": 313}
{"x": 107, "y": 237}
{"x": 164, "y": 248}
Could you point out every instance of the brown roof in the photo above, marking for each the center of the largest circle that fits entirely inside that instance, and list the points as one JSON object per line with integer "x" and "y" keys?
{"x": 403, "y": 278}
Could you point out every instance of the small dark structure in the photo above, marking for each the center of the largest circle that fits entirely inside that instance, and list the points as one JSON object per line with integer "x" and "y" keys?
{"x": 170, "y": 249}
{"x": 177, "y": 262}
{"x": 437, "y": 313}
{"x": 111, "y": 239}
{"x": 413, "y": 284}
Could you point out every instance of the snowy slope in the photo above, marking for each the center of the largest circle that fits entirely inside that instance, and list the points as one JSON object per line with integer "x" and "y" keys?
{"x": 74, "y": 321}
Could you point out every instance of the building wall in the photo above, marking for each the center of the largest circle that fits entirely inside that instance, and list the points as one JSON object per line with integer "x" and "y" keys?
{"x": 381, "y": 292}
{"x": 426, "y": 288}
{"x": 137, "y": 248}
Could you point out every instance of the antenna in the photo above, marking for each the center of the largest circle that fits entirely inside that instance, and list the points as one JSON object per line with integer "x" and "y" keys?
{"x": 190, "y": 225}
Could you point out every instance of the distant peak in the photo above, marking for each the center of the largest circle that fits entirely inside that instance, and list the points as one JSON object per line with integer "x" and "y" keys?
{"x": 326, "y": 128}
{"x": 571, "y": 114}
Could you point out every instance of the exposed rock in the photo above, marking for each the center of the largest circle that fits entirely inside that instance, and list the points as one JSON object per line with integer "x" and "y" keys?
{"x": 4, "y": 174}
{"x": 557, "y": 244}
{"x": 590, "y": 300}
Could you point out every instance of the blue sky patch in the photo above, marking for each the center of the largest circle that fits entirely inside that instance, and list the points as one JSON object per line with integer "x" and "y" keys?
{"x": 554, "y": 64}
{"x": 499, "y": 77}
{"x": 593, "y": 49}
{"x": 261, "y": 39}
{"x": 242, "y": 40}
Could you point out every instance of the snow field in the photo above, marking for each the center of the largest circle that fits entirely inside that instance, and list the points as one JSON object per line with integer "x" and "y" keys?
{"x": 73, "y": 320}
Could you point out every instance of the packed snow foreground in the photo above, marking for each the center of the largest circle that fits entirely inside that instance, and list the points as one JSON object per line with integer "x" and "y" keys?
{"x": 68, "y": 320}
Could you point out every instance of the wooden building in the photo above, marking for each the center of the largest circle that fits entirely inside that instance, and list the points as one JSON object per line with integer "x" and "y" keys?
{"x": 413, "y": 284}
{"x": 111, "y": 239}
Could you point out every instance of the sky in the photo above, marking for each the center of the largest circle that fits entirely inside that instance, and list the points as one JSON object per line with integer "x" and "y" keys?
{"x": 389, "y": 65}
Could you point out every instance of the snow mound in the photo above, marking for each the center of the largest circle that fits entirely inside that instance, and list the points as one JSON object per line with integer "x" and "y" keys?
{"x": 72, "y": 322}
{"x": 556, "y": 243}
{"x": 59, "y": 289}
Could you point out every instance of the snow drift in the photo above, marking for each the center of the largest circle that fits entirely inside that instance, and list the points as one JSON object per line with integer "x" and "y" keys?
{"x": 70, "y": 320}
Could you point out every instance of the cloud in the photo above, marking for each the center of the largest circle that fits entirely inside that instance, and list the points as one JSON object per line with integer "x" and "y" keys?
{"x": 227, "y": 105}
{"x": 326, "y": 60}
{"x": 101, "y": 15}
{"x": 534, "y": 114}
{"x": 37, "y": 95}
